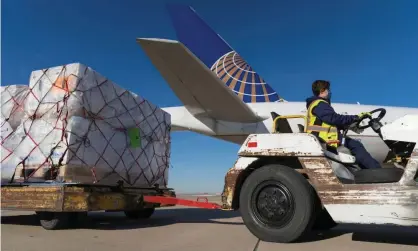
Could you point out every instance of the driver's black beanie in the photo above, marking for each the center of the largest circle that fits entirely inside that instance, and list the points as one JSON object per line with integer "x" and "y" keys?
{"x": 320, "y": 85}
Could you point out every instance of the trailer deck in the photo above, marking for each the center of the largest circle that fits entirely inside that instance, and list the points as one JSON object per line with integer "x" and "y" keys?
{"x": 56, "y": 203}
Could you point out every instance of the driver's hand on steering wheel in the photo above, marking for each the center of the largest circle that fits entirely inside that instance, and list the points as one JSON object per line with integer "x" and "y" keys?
{"x": 362, "y": 114}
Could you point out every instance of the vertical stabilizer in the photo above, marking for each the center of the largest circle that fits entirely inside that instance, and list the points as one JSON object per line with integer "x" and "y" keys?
{"x": 217, "y": 55}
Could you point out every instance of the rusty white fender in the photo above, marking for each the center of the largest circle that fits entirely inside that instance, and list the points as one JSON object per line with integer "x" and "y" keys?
{"x": 286, "y": 144}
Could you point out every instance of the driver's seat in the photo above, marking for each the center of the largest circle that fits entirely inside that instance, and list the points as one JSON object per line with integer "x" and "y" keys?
{"x": 340, "y": 154}
{"x": 342, "y": 160}
{"x": 340, "y": 157}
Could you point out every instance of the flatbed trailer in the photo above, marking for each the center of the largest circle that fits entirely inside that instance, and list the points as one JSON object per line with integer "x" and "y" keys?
{"x": 63, "y": 205}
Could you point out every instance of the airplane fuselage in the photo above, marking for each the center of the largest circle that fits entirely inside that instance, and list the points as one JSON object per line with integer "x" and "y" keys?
{"x": 223, "y": 96}
{"x": 233, "y": 132}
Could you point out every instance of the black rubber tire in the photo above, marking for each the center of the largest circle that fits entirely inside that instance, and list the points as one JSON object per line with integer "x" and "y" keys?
{"x": 54, "y": 220}
{"x": 381, "y": 175}
{"x": 140, "y": 213}
{"x": 77, "y": 219}
{"x": 301, "y": 192}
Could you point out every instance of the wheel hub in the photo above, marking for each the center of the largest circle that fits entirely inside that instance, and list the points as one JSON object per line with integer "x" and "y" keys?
{"x": 272, "y": 203}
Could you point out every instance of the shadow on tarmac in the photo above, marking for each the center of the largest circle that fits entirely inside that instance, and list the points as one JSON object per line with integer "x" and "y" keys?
{"x": 118, "y": 221}
{"x": 369, "y": 233}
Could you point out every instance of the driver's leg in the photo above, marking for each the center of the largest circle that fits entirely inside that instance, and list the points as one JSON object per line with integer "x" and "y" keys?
{"x": 363, "y": 158}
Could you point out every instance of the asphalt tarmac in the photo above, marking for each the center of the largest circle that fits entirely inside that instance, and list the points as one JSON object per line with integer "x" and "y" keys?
{"x": 180, "y": 228}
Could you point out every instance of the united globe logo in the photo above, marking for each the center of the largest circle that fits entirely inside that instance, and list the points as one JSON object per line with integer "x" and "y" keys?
{"x": 239, "y": 76}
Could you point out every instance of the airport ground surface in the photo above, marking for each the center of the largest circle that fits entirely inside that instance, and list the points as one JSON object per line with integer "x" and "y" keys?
{"x": 181, "y": 228}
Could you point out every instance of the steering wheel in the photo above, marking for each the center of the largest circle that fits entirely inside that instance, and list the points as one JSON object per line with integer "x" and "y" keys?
{"x": 372, "y": 120}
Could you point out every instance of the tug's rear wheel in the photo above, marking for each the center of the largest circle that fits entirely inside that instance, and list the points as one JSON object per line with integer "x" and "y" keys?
{"x": 277, "y": 204}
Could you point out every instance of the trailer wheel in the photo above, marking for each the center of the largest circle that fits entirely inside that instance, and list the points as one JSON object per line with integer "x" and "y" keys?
{"x": 140, "y": 214}
{"x": 53, "y": 220}
{"x": 277, "y": 204}
{"x": 77, "y": 219}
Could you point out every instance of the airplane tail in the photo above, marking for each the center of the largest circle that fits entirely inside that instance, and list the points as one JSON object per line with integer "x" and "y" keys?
{"x": 219, "y": 57}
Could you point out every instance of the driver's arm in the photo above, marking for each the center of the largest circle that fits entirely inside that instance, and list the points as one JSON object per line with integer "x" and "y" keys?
{"x": 327, "y": 114}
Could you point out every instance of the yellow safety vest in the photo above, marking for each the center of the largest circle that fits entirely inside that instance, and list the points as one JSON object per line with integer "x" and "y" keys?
{"x": 319, "y": 128}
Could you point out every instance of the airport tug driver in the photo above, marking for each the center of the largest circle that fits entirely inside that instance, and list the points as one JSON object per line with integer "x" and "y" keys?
{"x": 325, "y": 123}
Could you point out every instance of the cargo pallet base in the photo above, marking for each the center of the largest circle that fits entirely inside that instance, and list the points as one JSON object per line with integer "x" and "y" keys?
{"x": 60, "y": 206}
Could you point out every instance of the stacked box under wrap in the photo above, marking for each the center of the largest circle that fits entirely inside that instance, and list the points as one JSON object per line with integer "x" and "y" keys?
{"x": 80, "y": 127}
{"x": 12, "y": 113}
{"x": 12, "y": 110}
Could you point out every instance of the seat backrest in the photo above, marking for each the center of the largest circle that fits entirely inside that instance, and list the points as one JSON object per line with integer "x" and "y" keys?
{"x": 283, "y": 126}
{"x": 281, "y": 123}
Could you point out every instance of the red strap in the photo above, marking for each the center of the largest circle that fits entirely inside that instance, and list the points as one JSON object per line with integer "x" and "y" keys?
{"x": 333, "y": 141}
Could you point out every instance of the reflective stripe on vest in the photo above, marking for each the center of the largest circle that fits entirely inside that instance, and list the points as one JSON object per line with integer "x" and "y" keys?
{"x": 322, "y": 128}
{"x": 326, "y": 132}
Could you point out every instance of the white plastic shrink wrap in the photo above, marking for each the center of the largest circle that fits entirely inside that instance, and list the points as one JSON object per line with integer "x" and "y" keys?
{"x": 80, "y": 127}
{"x": 12, "y": 111}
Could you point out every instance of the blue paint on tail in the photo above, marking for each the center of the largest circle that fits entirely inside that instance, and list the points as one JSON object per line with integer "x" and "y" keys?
{"x": 217, "y": 55}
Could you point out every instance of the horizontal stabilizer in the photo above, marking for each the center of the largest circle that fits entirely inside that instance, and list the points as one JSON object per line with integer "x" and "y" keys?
{"x": 201, "y": 91}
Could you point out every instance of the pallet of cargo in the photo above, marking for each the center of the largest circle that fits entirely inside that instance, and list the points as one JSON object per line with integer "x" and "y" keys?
{"x": 73, "y": 141}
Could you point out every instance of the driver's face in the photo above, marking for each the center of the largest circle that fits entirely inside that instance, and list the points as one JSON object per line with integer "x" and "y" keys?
{"x": 326, "y": 94}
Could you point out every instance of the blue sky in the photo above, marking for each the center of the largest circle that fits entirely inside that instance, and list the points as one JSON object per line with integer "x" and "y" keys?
{"x": 368, "y": 49}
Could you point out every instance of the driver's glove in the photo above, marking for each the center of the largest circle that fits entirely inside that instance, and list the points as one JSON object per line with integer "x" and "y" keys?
{"x": 361, "y": 115}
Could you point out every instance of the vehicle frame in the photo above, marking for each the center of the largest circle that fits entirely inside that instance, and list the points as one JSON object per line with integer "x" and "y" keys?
{"x": 301, "y": 169}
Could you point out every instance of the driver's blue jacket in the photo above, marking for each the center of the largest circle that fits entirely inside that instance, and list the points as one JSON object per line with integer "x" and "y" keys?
{"x": 326, "y": 113}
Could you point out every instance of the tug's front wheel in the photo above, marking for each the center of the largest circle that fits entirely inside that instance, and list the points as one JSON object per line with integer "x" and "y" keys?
{"x": 277, "y": 204}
